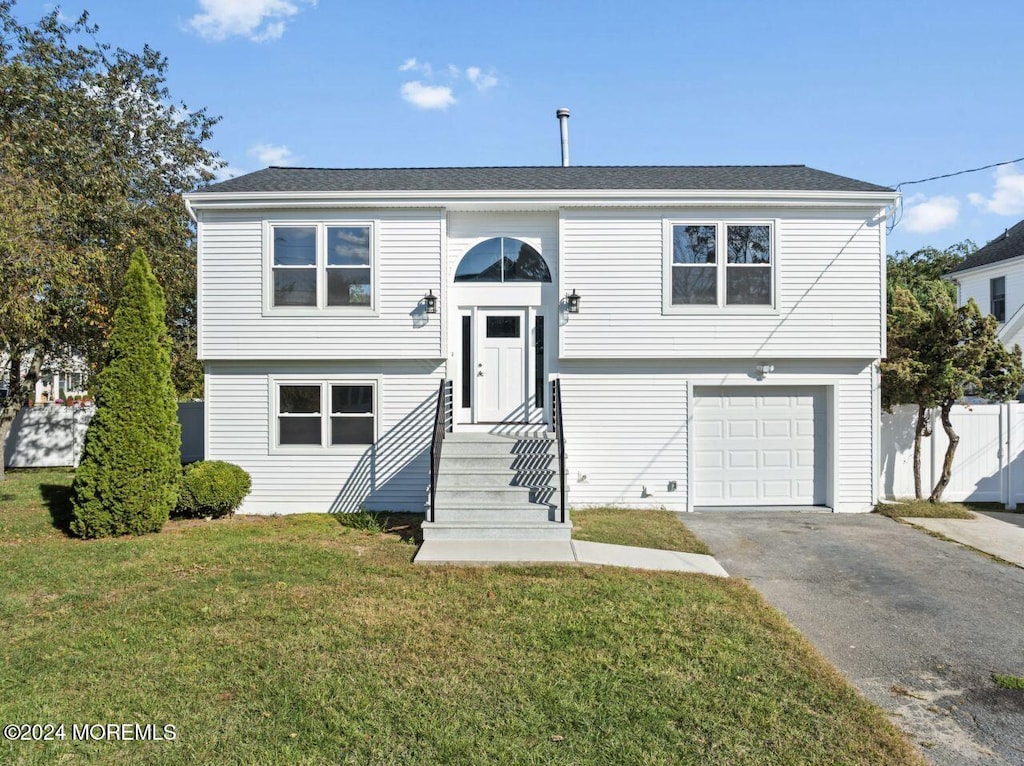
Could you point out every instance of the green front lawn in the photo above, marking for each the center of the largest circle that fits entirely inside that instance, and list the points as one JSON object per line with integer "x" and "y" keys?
{"x": 922, "y": 509}
{"x": 647, "y": 529}
{"x": 298, "y": 640}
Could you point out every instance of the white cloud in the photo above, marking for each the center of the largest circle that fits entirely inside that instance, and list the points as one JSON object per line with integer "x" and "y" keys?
{"x": 424, "y": 96}
{"x": 927, "y": 214}
{"x": 1008, "y": 196}
{"x": 257, "y": 20}
{"x": 269, "y": 154}
{"x": 482, "y": 80}
{"x": 225, "y": 172}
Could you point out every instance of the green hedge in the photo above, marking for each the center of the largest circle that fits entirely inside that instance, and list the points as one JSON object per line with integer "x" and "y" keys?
{"x": 212, "y": 488}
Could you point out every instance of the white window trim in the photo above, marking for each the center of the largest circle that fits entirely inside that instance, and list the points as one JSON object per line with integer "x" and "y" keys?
{"x": 274, "y": 382}
{"x": 321, "y": 226}
{"x": 721, "y": 256}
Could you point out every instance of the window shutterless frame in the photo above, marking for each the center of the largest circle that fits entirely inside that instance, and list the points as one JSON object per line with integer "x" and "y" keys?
{"x": 749, "y": 274}
{"x": 314, "y": 416}
{"x": 342, "y": 277}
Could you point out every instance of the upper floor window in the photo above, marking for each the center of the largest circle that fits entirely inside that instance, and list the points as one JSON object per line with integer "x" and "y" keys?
{"x": 997, "y": 298}
{"x": 721, "y": 264}
{"x": 321, "y": 265}
{"x": 502, "y": 259}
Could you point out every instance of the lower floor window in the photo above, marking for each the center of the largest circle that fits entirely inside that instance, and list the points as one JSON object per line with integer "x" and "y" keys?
{"x": 325, "y": 414}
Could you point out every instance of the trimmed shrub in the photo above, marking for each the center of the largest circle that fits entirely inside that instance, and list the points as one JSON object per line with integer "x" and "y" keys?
{"x": 128, "y": 480}
{"x": 212, "y": 488}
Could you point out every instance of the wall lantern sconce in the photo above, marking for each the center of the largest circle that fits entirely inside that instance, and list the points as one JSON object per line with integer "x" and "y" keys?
{"x": 764, "y": 370}
{"x": 572, "y": 302}
{"x": 430, "y": 302}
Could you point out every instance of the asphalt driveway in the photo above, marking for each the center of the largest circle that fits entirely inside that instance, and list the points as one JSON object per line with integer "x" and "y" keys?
{"x": 917, "y": 624}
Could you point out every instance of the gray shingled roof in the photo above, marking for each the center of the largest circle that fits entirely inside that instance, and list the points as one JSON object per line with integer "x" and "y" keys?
{"x": 1007, "y": 245}
{"x": 579, "y": 177}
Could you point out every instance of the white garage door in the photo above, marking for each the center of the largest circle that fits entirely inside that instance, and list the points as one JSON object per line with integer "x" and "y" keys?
{"x": 759, "y": 446}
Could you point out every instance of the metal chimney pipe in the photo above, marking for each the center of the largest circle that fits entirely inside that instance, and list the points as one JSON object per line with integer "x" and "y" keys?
{"x": 563, "y": 122}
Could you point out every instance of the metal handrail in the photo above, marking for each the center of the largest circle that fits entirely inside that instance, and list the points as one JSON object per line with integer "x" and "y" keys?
{"x": 442, "y": 425}
{"x": 556, "y": 416}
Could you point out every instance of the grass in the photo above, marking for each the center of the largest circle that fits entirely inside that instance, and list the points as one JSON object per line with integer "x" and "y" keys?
{"x": 647, "y": 529}
{"x": 299, "y": 640}
{"x": 922, "y": 509}
{"x": 1008, "y": 682}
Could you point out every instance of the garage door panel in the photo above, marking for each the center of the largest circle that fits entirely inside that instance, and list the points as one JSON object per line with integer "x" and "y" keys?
{"x": 709, "y": 460}
{"x": 779, "y": 491}
{"x": 740, "y": 429}
{"x": 776, "y": 429}
{"x": 742, "y": 490}
{"x": 709, "y": 429}
{"x": 763, "y": 448}
{"x": 776, "y": 459}
{"x": 743, "y": 459}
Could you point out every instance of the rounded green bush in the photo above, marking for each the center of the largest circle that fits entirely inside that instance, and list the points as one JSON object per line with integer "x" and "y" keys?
{"x": 213, "y": 488}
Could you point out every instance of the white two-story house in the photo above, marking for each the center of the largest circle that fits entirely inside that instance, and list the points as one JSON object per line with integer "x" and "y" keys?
{"x": 994, "y": 278}
{"x": 715, "y": 332}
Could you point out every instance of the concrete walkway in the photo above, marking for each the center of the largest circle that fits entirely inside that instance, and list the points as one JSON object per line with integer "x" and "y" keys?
{"x": 999, "y": 534}
{"x": 571, "y": 552}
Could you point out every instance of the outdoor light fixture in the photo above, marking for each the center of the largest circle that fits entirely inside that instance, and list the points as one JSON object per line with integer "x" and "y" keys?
{"x": 572, "y": 302}
{"x": 430, "y": 302}
{"x": 764, "y": 370}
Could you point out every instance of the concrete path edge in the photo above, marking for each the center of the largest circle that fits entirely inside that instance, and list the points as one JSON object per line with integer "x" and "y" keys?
{"x": 575, "y": 551}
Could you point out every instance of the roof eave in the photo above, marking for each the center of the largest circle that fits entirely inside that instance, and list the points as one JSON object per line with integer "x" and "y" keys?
{"x": 982, "y": 266}
{"x": 571, "y": 197}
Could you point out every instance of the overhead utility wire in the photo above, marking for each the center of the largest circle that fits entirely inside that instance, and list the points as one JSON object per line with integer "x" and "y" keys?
{"x": 897, "y": 217}
{"x": 958, "y": 173}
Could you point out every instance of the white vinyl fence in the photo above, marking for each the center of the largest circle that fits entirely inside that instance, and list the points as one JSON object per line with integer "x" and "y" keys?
{"x": 51, "y": 436}
{"x": 989, "y": 461}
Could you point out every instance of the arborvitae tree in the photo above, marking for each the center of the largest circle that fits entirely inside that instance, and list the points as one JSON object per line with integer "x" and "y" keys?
{"x": 130, "y": 473}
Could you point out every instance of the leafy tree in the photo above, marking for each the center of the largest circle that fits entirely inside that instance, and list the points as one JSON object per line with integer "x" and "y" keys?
{"x": 91, "y": 134}
{"x": 31, "y": 273}
{"x": 131, "y": 460}
{"x": 938, "y": 353}
{"x": 921, "y": 272}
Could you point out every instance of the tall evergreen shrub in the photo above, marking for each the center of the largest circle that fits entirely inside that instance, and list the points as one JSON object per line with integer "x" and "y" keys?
{"x": 129, "y": 477}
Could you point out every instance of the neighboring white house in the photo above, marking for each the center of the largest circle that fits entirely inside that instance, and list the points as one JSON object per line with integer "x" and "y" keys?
{"x": 724, "y": 353}
{"x": 994, "y": 278}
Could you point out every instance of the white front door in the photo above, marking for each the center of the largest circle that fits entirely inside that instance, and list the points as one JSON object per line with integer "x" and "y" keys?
{"x": 501, "y": 367}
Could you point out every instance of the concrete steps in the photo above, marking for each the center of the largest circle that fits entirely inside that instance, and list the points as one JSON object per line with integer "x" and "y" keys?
{"x": 497, "y": 487}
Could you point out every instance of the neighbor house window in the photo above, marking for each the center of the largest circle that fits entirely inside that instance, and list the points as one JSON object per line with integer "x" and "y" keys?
{"x": 721, "y": 264}
{"x": 321, "y": 266}
{"x": 997, "y": 290}
{"x": 325, "y": 414}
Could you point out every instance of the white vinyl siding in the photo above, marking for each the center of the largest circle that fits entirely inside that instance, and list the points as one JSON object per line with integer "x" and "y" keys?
{"x": 828, "y": 279}
{"x": 235, "y": 324}
{"x": 627, "y": 427}
{"x": 389, "y": 475}
{"x": 626, "y": 436}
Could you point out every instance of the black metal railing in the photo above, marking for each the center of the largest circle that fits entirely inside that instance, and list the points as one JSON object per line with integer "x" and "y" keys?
{"x": 442, "y": 425}
{"x": 556, "y": 417}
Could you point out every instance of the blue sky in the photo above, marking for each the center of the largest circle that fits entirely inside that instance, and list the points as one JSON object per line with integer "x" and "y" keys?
{"x": 880, "y": 91}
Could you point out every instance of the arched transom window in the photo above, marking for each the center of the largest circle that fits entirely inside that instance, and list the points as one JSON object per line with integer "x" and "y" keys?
{"x": 502, "y": 259}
